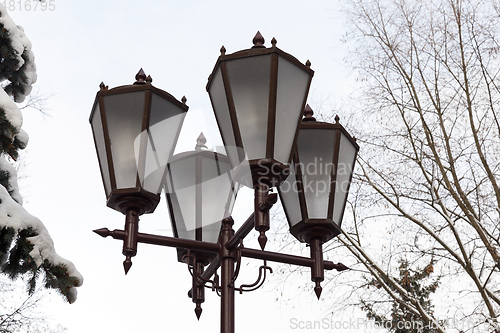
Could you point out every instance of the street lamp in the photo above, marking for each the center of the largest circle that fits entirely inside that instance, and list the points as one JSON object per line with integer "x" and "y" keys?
{"x": 200, "y": 193}
{"x": 258, "y": 96}
{"x": 314, "y": 194}
{"x": 135, "y": 129}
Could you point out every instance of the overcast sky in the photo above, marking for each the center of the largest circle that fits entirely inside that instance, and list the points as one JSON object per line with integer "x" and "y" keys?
{"x": 81, "y": 43}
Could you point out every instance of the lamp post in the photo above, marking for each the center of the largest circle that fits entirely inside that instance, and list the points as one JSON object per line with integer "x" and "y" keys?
{"x": 258, "y": 96}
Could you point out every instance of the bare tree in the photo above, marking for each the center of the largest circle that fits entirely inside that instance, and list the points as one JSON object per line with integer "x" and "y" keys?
{"x": 428, "y": 170}
{"x": 21, "y": 311}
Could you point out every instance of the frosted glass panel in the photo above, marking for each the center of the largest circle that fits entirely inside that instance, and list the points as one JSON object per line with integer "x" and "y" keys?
{"x": 124, "y": 114}
{"x": 180, "y": 179}
{"x": 289, "y": 196}
{"x": 292, "y": 88}
{"x": 217, "y": 196}
{"x": 250, "y": 80}
{"x": 221, "y": 110}
{"x": 317, "y": 165}
{"x": 213, "y": 191}
{"x": 347, "y": 157}
{"x": 101, "y": 151}
{"x": 182, "y": 231}
{"x": 165, "y": 121}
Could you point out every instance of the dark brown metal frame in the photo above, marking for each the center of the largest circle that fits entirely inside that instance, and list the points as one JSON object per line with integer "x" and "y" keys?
{"x": 227, "y": 254}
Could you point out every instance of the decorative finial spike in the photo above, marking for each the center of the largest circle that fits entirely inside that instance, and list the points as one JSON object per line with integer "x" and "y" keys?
{"x": 318, "y": 289}
{"x": 140, "y": 77}
{"x": 222, "y": 50}
{"x": 340, "y": 267}
{"x": 149, "y": 79}
{"x": 184, "y": 99}
{"x": 102, "y": 86}
{"x": 200, "y": 142}
{"x": 262, "y": 239}
{"x": 308, "y": 114}
{"x": 258, "y": 41}
{"x": 127, "y": 264}
{"x": 337, "y": 118}
{"x": 308, "y": 63}
{"x": 198, "y": 310}
{"x": 103, "y": 232}
{"x": 274, "y": 42}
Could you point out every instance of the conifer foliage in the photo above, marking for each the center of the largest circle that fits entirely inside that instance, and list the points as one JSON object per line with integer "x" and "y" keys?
{"x": 26, "y": 248}
{"x": 417, "y": 283}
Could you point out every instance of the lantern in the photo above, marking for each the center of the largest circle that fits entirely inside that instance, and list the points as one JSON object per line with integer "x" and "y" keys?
{"x": 135, "y": 130}
{"x": 314, "y": 195}
{"x": 258, "y": 96}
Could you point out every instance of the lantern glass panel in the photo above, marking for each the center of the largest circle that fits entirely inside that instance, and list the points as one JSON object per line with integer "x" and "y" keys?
{"x": 101, "y": 150}
{"x": 181, "y": 230}
{"x": 317, "y": 165}
{"x": 124, "y": 125}
{"x": 289, "y": 195}
{"x": 347, "y": 156}
{"x": 157, "y": 141}
{"x": 201, "y": 194}
{"x": 250, "y": 80}
{"x": 183, "y": 196}
{"x": 221, "y": 110}
{"x": 293, "y": 83}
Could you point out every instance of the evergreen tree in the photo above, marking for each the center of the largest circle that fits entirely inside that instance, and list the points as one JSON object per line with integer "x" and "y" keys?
{"x": 26, "y": 248}
{"x": 400, "y": 319}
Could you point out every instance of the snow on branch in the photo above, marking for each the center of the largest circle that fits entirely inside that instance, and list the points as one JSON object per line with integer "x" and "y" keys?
{"x": 38, "y": 254}
{"x": 26, "y": 248}
{"x": 17, "y": 62}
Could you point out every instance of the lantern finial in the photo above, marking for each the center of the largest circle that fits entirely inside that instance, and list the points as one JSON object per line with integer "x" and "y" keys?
{"x": 200, "y": 142}
{"x": 274, "y": 42}
{"x": 258, "y": 41}
{"x": 308, "y": 114}
{"x": 140, "y": 77}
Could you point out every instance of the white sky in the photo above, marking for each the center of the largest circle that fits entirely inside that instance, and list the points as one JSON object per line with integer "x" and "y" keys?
{"x": 80, "y": 44}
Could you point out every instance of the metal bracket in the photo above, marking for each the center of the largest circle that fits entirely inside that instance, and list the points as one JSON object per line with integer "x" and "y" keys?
{"x": 191, "y": 263}
{"x": 260, "y": 279}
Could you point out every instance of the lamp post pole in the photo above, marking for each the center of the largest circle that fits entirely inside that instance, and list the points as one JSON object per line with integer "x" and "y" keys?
{"x": 227, "y": 262}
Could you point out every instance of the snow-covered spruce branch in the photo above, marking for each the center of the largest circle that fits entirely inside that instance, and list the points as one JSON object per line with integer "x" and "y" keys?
{"x": 37, "y": 254}
{"x": 26, "y": 248}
